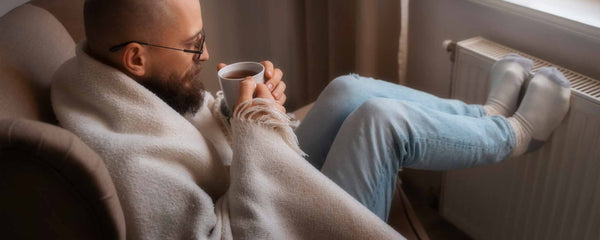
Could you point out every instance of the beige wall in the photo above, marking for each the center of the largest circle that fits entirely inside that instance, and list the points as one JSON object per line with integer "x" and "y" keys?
{"x": 7, "y": 5}
{"x": 432, "y": 21}
{"x": 256, "y": 31}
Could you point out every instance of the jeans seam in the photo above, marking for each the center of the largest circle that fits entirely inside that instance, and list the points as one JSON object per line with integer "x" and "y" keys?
{"x": 380, "y": 176}
{"x": 370, "y": 201}
{"x": 442, "y": 142}
{"x": 376, "y": 194}
{"x": 512, "y": 136}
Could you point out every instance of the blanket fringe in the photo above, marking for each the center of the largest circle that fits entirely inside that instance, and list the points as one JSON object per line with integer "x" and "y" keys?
{"x": 259, "y": 111}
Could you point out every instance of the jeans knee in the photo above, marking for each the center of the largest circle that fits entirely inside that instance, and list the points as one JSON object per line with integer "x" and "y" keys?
{"x": 383, "y": 121}
{"x": 382, "y": 107}
{"x": 343, "y": 85}
{"x": 385, "y": 112}
{"x": 373, "y": 107}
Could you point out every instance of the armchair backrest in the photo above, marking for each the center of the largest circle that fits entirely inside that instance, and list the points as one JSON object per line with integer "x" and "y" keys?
{"x": 33, "y": 44}
{"x": 53, "y": 186}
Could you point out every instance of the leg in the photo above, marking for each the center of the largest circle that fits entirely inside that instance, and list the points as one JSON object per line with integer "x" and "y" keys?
{"x": 345, "y": 94}
{"x": 383, "y": 135}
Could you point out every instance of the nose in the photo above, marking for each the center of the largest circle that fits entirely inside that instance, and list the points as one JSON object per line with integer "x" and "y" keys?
{"x": 205, "y": 55}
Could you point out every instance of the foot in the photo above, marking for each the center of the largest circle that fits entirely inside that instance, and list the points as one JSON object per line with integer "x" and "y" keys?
{"x": 543, "y": 108}
{"x": 506, "y": 77}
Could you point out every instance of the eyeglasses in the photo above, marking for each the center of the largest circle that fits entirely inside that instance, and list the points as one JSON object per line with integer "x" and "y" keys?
{"x": 199, "y": 45}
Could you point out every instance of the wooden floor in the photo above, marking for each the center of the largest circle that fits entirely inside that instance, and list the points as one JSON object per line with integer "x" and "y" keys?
{"x": 437, "y": 227}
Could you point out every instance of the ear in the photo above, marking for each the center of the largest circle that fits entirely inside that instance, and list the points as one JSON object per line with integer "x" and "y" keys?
{"x": 135, "y": 59}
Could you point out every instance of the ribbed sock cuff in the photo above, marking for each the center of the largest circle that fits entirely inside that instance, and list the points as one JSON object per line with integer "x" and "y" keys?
{"x": 522, "y": 134}
{"x": 495, "y": 110}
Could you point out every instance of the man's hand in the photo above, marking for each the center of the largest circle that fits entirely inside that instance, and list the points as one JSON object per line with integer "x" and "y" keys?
{"x": 273, "y": 81}
{"x": 248, "y": 87}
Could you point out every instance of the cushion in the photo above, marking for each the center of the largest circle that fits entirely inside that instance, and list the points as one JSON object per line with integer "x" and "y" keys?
{"x": 54, "y": 186}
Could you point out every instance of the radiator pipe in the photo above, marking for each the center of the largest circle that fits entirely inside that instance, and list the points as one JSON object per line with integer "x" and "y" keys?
{"x": 449, "y": 46}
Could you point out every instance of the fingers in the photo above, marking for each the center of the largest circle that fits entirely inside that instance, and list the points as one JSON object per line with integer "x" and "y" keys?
{"x": 282, "y": 99}
{"x": 279, "y": 90}
{"x": 274, "y": 81}
{"x": 247, "y": 87}
{"x": 268, "y": 69}
{"x": 221, "y": 65}
{"x": 263, "y": 92}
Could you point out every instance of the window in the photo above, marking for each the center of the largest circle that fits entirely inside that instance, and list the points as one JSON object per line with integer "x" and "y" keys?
{"x": 581, "y": 16}
{"x": 583, "y": 11}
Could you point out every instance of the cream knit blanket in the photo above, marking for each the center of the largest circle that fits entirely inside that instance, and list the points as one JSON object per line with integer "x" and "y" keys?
{"x": 171, "y": 172}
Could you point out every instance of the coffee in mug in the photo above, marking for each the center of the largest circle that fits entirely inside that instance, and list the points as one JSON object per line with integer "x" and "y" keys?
{"x": 240, "y": 74}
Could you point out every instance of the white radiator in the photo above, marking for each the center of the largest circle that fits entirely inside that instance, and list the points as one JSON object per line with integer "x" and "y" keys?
{"x": 553, "y": 193}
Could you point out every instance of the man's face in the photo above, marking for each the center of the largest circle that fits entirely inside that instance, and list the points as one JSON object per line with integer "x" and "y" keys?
{"x": 174, "y": 75}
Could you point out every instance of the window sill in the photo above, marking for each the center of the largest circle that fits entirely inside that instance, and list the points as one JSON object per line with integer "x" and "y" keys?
{"x": 587, "y": 27}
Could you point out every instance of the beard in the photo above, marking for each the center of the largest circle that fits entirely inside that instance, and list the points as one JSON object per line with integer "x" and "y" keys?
{"x": 184, "y": 94}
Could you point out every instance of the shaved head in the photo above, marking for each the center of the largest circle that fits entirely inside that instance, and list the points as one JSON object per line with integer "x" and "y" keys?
{"x": 109, "y": 22}
{"x": 169, "y": 73}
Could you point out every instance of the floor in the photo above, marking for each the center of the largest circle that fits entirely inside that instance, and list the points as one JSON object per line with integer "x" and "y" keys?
{"x": 426, "y": 210}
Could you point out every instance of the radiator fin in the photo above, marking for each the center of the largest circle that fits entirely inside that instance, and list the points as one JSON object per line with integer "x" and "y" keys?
{"x": 586, "y": 86}
{"x": 553, "y": 193}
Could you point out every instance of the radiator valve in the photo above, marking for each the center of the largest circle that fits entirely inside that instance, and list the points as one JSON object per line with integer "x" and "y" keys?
{"x": 449, "y": 46}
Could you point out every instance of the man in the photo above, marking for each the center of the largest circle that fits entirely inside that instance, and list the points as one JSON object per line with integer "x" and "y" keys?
{"x": 183, "y": 169}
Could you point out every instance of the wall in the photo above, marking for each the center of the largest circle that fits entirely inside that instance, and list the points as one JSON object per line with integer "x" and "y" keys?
{"x": 429, "y": 67}
{"x": 256, "y": 31}
{"x": 7, "y": 5}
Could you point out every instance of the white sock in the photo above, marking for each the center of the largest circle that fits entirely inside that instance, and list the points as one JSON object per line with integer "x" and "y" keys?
{"x": 506, "y": 77}
{"x": 543, "y": 108}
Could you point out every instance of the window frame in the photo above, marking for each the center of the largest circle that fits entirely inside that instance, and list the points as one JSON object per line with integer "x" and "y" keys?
{"x": 577, "y": 27}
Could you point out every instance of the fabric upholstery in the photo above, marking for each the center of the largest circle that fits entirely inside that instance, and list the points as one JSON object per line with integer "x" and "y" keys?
{"x": 68, "y": 12}
{"x": 53, "y": 186}
{"x": 33, "y": 44}
{"x": 17, "y": 97}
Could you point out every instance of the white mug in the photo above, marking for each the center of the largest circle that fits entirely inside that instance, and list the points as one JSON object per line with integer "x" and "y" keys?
{"x": 231, "y": 84}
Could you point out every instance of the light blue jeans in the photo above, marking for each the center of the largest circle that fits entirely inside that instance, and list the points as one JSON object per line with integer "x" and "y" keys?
{"x": 361, "y": 131}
